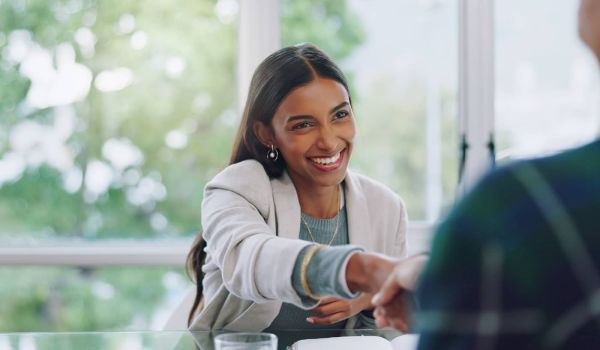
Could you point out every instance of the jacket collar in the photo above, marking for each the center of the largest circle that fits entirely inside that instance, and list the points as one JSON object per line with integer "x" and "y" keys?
{"x": 287, "y": 209}
{"x": 359, "y": 230}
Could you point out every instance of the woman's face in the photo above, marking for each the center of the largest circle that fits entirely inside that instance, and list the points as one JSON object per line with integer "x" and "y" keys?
{"x": 589, "y": 24}
{"x": 314, "y": 131}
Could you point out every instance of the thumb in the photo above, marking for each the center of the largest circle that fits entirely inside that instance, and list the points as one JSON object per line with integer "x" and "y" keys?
{"x": 403, "y": 277}
{"x": 387, "y": 292}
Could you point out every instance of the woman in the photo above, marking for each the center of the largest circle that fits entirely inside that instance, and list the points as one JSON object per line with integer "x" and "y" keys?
{"x": 279, "y": 219}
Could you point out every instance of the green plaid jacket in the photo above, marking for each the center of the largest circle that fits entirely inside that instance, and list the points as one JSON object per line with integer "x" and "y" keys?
{"x": 516, "y": 265}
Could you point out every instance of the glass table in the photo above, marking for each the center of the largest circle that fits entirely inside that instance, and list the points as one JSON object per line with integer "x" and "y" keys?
{"x": 155, "y": 340}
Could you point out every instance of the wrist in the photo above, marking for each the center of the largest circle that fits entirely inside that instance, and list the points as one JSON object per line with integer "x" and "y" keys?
{"x": 363, "y": 303}
{"x": 304, "y": 271}
{"x": 355, "y": 273}
{"x": 367, "y": 303}
{"x": 366, "y": 272}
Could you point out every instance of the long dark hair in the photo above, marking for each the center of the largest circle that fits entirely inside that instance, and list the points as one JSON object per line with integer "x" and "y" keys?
{"x": 279, "y": 74}
{"x": 194, "y": 261}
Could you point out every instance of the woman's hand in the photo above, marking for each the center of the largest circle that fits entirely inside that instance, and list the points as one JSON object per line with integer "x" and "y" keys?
{"x": 335, "y": 309}
{"x": 366, "y": 272}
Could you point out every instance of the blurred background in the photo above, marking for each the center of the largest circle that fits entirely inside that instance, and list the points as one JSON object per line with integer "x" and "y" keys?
{"x": 114, "y": 114}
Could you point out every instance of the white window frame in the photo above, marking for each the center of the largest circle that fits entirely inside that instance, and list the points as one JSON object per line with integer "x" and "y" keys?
{"x": 259, "y": 34}
{"x": 476, "y": 88}
{"x": 104, "y": 254}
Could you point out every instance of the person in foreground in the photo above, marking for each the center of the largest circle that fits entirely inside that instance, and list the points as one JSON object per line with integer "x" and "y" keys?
{"x": 517, "y": 264}
{"x": 286, "y": 219}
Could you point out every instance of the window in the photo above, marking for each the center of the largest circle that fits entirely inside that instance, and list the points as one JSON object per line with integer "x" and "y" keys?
{"x": 113, "y": 116}
{"x": 546, "y": 80}
{"x": 87, "y": 299}
{"x": 116, "y": 114}
{"x": 402, "y": 61}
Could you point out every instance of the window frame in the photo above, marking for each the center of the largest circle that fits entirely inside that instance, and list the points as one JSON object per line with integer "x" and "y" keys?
{"x": 99, "y": 254}
{"x": 259, "y": 33}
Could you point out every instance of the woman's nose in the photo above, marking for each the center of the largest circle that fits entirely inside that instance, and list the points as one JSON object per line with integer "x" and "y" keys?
{"x": 328, "y": 139}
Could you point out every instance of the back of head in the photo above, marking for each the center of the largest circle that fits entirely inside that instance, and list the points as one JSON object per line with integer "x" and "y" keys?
{"x": 589, "y": 24}
{"x": 279, "y": 74}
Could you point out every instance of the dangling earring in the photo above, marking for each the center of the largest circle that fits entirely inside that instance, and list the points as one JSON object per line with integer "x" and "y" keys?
{"x": 272, "y": 153}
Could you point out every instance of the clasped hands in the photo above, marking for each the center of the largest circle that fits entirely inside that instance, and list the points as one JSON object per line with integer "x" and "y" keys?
{"x": 332, "y": 309}
{"x": 393, "y": 302}
{"x": 387, "y": 284}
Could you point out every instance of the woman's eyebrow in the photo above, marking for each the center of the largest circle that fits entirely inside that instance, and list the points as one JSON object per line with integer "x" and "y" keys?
{"x": 300, "y": 116}
{"x": 308, "y": 116}
{"x": 343, "y": 104}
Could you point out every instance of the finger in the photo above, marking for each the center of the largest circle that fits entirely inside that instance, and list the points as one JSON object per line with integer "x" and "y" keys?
{"x": 365, "y": 301}
{"x": 381, "y": 322}
{"x": 403, "y": 278}
{"x": 380, "y": 319}
{"x": 379, "y": 312}
{"x": 328, "y": 300}
{"x": 325, "y": 301}
{"x": 397, "y": 313}
{"x": 398, "y": 323}
{"x": 331, "y": 308}
{"x": 330, "y": 319}
{"x": 389, "y": 289}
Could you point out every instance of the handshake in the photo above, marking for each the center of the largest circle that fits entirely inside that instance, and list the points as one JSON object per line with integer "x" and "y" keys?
{"x": 391, "y": 280}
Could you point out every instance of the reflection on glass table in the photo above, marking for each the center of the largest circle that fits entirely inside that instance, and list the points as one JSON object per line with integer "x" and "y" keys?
{"x": 180, "y": 340}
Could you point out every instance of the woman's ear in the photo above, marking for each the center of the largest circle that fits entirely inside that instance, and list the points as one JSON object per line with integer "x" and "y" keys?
{"x": 264, "y": 133}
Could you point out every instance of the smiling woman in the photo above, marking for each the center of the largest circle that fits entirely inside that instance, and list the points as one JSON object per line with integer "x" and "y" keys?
{"x": 314, "y": 132}
{"x": 266, "y": 257}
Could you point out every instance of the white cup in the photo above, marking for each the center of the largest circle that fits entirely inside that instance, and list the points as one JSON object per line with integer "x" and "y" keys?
{"x": 246, "y": 341}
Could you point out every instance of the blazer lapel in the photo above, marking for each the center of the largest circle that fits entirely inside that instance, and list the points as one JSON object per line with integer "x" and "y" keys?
{"x": 287, "y": 207}
{"x": 359, "y": 230}
{"x": 287, "y": 210}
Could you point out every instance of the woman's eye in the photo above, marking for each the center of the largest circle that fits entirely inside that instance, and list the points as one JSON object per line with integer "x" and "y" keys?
{"x": 301, "y": 125}
{"x": 341, "y": 114}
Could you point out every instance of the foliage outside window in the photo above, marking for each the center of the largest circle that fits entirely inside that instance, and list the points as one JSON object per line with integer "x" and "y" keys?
{"x": 546, "y": 80}
{"x": 402, "y": 63}
{"x": 113, "y": 115}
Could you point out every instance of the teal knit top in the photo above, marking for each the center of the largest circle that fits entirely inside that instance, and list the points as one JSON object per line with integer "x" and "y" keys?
{"x": 322, "y": 230}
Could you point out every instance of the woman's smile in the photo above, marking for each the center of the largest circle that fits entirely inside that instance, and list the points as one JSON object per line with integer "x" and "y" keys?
{"x": 314, "y": 130}
{"x": 328, "y": 164}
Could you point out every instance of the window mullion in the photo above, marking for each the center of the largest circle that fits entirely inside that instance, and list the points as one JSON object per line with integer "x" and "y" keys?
{"x": 258, "y": 36}
{"x": 476, "y": 89}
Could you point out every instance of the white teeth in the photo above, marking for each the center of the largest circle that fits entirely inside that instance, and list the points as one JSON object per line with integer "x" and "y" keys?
{"x": 326, "y": 161}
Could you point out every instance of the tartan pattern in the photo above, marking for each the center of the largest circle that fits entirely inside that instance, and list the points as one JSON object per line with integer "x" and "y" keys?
{"x": 516, "y": 265}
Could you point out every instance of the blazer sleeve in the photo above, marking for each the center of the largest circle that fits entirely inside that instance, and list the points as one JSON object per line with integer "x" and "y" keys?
{"x": 254, "y": 263}
{"x": 401, "y": 246}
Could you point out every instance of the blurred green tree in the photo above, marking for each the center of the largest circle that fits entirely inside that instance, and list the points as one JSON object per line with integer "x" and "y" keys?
{"x": 391, "y": 115}
{"x": 113, "y": 115}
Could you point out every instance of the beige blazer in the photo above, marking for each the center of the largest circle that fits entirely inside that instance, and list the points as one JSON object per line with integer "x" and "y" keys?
{"x": 251, "y": 224}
